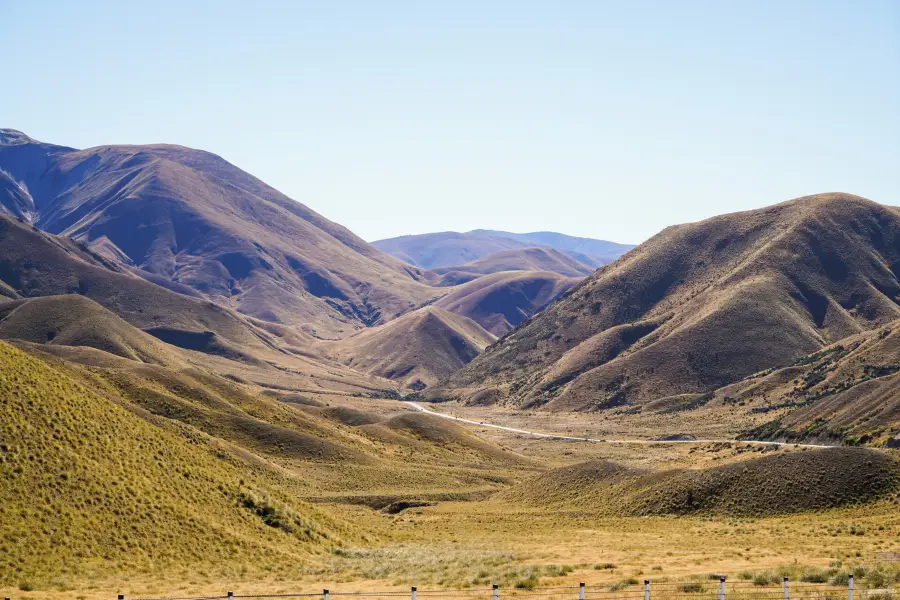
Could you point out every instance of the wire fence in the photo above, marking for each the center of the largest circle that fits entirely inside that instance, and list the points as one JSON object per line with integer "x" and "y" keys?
{"x": 683, "y": 590}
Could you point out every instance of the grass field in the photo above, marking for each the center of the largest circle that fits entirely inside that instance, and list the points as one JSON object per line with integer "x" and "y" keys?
{"x": 227, "y": 436}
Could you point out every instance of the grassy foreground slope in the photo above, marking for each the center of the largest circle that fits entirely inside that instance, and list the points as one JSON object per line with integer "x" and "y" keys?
{"x": 89, "y": 487}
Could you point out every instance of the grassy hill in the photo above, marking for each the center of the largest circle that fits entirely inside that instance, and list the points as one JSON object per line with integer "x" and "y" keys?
{"x": 778, "y": 483}
{"x": 84, "y": 477}
{"x": 848, "y": 392}
{"x": 79, "y": 321}
{"x": 34, "y": 263}
{"x": 703, "y": 305}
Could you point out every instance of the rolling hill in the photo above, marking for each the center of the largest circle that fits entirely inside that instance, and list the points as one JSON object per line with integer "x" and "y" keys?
{"x": 34, "y": 263}
{"x": 416, "y": 349}
{"x": 501, "y": 301}
{"x": 191, "y": 218}
{"x": 756, "y": 487}
{"x": 450, "y": 248}
{"x": 84, "y": 477}
{"x": 592, "y": 252}
{"x": 533, "y": 258}
{"x": 703, "y": 305}
{"x": 78, "y": 321}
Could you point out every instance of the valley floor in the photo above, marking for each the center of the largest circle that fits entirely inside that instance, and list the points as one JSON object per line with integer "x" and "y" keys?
{"x": 472, "y": 544}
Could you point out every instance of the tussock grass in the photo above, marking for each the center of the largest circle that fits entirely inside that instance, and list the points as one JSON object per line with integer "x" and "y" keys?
{"x": 88, "y": 487}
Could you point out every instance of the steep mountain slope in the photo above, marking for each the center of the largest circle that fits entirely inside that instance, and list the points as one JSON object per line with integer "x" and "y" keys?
{"x": 14, "y": 198}
{"x": 702, "y": 305}
{"x": 191, "y": 218}
{"x": 82, "y": 476}
{"x": 33, "y": 263}
{"x": 450, "y": 248}
{"x": 848, "y": 392}
{"x": 523, "y": 259}
{"x": 416, "y": 349}
{"x": 502, "y": 301}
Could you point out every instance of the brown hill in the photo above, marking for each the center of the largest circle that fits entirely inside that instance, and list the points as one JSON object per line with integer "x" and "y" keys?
{"x": 500, "y": 301}
{"x": 416, "y": 349}
{"x": 520, "y": 259}
{"x": 191, "y": 218}
{"x": 702, "y": 305}
{"x": 769, "y": 485}
{"x": 78, "y": 321}
{"x": 34, "y": 263}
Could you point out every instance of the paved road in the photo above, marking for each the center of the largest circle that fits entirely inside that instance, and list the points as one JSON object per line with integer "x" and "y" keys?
{"x": 555, "y": 436}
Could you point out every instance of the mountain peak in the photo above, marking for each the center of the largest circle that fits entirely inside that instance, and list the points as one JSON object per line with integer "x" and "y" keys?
{"x": 14, "y": 137}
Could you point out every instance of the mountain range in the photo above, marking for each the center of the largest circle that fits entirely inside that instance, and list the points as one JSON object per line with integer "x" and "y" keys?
{"x": 182, "y": 341}
{"x": 450, "y": 248}
{"x": 189, "y": 222}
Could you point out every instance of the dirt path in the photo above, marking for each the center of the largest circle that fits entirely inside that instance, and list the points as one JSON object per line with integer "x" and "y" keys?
{"x": 555, "y": 436}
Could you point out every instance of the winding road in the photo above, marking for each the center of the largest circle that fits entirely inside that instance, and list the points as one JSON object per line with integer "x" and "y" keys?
{"x": 555, "y": 436}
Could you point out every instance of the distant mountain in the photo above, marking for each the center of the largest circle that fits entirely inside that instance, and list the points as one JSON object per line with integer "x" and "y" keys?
{"x": 416, "y": 349}
{"x": 703, "y": 305}
{"x": 449, "y": 248}
{"x": 595, "y": 253}
{"x": 501, "y": 301}
{"x": 535, "y": 258}
{"x": 189, "y": 218}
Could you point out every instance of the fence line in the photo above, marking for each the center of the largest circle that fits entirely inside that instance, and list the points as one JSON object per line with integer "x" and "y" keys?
{"x": 682, "y": 590}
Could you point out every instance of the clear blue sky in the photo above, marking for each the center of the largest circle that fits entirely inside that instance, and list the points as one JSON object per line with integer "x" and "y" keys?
{"x": 603, "y": 119}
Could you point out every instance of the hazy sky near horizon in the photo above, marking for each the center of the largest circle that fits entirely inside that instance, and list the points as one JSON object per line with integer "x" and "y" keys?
{"x": 602, "y": 119}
